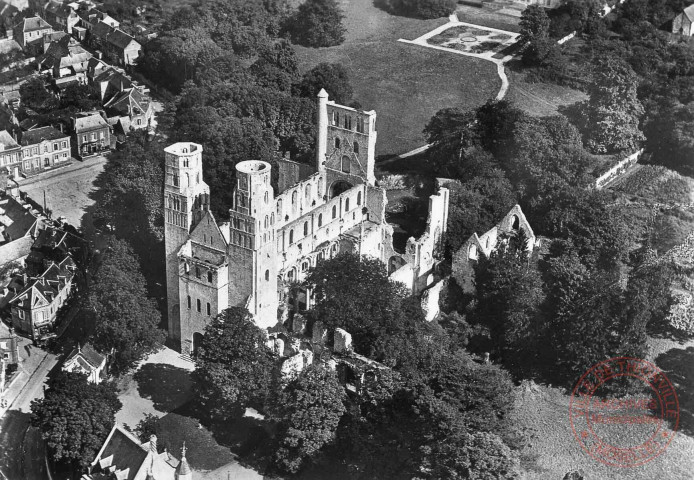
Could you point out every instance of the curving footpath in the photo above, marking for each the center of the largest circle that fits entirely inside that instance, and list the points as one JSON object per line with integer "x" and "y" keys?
{"x": 489, "y": 56}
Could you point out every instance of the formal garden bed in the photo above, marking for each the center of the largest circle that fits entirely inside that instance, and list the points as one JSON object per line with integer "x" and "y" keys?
{"x": 468, "y": 39}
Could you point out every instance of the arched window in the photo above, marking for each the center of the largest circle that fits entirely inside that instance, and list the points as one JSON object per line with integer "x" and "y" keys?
{"x": 336, "y": 118}
{"x": 267, "y": 275}
{"x": 197, "y": 272}
{"x": 279, "y": 207}
{"x": 345, "y": 164}
{"x": 356, "y": 147}
{"x": 186, "y": 267}
{"x": 294, "y": 199}
{"x": 346, "y": 204}
{"x": 267, "y": 197}
{"x": 291, "y": 236}
{"x": 320, "y": 219}
{"x": 305, "y": 228}
{"x": 189, "y": 302}
{"x": 272, "y": 219}
{"x": 304, "y": 266}
{"x": 199, "y": 305}
{"x": 515, "y": 223}
{"x": 175, "y": 179}
{"x": 187, "y": 181}
{"x": 197, "y": 178}
{"x": 334, "y": 211}
{"x": 209, "y": 276}
{"x": 358, "y": 198}
{"x": 337, "y": 142}
{"x": 320, "y": 186}
{"x": 472, "y": 252}
{"x": 307, "y": 192}
{"x": 267, "y": 221}
{"x": 209, "y": 309}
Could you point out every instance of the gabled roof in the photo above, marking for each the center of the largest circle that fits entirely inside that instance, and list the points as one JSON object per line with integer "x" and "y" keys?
{"x": 87, "y": 122}
{"x": 59, "y": 9}
{"x": 32, "y": 24}
{"x": 6, "y": 141}
{"x": 87, "y": 355}
{"x": 122, "y": 451}
{"x": 47, "y": 286}
{"x": 66, "y": 52}
{"x": 18, "y": 221}
{"x": 38, "y": 135}
{"x": 689, "y": 12}
{"x": 54, "y": 36}
{"x": 101, "y": 29}
{"x": 129, "y": 102}
{"x": 7, "y": 10}
{"x": 120, "y": 39}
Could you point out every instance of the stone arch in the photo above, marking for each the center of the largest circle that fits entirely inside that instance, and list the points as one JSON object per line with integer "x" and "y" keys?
{"x": 394, "y": 263}
{"x": 338, "y": 187}
{"x": 514, "y": 222}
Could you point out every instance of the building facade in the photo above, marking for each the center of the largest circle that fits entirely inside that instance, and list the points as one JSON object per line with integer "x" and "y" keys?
{"x": 274, "y": 238}
{"x": 29, "y": 33}
{"x": 44, "y": 148}
{"x": 10, "y": 153}
{"x": 92, "y": 134}
{"x": 682, "y": 23}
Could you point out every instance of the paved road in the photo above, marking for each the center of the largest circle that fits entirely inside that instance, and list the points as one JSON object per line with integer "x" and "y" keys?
{"x": 21, "y": 447}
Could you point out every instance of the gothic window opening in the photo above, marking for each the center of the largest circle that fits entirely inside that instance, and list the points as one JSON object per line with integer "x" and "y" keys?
{"x": 356, "y": 147}
{"x": 189, "y": 302}
{"x": 360, "y": 125}
{"x": 359, "y": 198}
{"x": 336, "y": 118}
{"x": 337, "y": 142}
{"x": 267, "y": 275}
{"x": 305, "y": 228}
{"x": 320, "y": 219}
{"x": 175, "y": 179}
{"x": 209, "y": 309}
{"x": 346, "y": 204}
{"x": 345, "y": 164}
{"x": 279, "y": 207}
{"x": 291, "y": 237}
{"x": 199, "y": 305}
{"x": 334, "y": 211}
{"x": 294, "y": 199}
{"x": 348, "y": 122}
{"x": 186, "y": 267}
{"x": 307, "y": 192}
{"x": 272, "y": 219}
{"x": 267, "y": 197}
{"x": 209, "y": 277}
{"x": 197, "y": 272}
{"x": 515, "y": 222}
{"x": 304, "y": 266}
{"x": 267, "y": 221}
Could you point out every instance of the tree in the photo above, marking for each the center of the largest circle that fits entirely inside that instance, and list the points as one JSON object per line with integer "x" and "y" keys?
{"x": 418, "y": 8}
{"x": 127, "y": 321}
{"x": 670, "y": 137}
{"x": 356, "y": 294}
{"x": 233, "y": 366}
{"x": 308, "y": 410}
{"x": 75, "y": 417}
{"x": 80, "y": 97}
{"x": 35, "y": 96}
{"x": 317, "y": 23}
{"x": 333, "y": 77}
{"x": 534, "y": 33}
{"x": 614, "y": 111}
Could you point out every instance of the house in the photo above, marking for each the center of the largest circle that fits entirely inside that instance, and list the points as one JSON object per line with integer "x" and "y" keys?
{"x": 111, "y": 82}
{"x": 61, "y": 16}
{"x": 87, "y": 361}
{"x": 124, "y": 457}
{"x": 35, "y": 308}
{"x": 132, "y": 109}
{"x": 8, "y": 13}
{"x": 10, "y": 153}
{"x": 94, "y": 68}
{"x": 93, "y": 16}
{"x": 9, "y": 350}
{"x": 92, "y": 133}
{"x": 682, "y": 23}
{"x": 19, "y": 226}
{"x": 483, "y": 245}
{"x": 49, "y": 38}
{"x": 44, "y": 148}
{"x": 54, "y": 245}
{"x": 67, "y": 58}
{"x": 122, "y": 47}
{"x": 29, "y": 32}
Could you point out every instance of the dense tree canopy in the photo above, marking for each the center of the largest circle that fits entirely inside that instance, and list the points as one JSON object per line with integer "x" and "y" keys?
{"x": 418, "y": 8}
{"x": 233, "y": 366}
{"x": 75, "y": 417}
{"x": 333, "y": 77}
{"x": 127, "y": 320}
{"x": 317, "y": 23}
{"x": 308, "y": 410}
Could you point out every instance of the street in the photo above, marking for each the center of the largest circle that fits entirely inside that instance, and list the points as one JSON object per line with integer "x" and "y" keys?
{"x": 22, "y": 456}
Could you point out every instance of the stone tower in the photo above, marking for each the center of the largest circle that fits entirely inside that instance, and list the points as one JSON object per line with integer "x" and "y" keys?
{"x": 186, "y": 198}
{"x": 252, "y": 251}
{"x": 345, "y": 145}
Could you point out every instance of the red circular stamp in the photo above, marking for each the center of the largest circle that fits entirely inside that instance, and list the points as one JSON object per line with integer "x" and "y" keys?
{"x": 627, "y": 431}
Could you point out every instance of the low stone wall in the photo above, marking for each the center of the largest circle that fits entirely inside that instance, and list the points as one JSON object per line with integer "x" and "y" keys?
{"x": 562, "y": 41}
{"x": 618, "y": 169}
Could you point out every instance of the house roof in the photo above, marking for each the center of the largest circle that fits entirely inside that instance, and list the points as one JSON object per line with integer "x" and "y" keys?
{"x": 43, "y": 289}
{"x": 54, "y": 36}
{"x": 101, "y": 29}
{"x": 88, "y": 122}
{"x": 32, "y": 24}
{"x": 6, "y": 141}
{"x": 66, "y": 52}
{"x": 122, "y": 451}
{"x": 689, "y": 12}
{"x": 59, "y": 9}
{"x": 129, "y": 102}
{"x": 86, "y": 356}
{"x": 7, "y": 10}
{"x": 17, "y": 220}
{"x": 38, "y": 135}
{"x": 120, "y": 39}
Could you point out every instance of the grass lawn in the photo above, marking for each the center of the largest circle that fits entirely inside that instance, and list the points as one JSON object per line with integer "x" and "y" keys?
{"x": 539, "y": 98}
{"x": 405, "y": 84}
{"x": 487, "y": 18}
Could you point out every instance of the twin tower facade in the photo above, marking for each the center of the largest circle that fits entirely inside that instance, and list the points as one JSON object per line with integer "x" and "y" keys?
{"x": 257, "y": 259}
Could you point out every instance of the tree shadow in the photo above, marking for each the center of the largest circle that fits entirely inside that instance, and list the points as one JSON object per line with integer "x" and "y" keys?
{"x": 14, "y": 424}
{"x": 167, "y": 386}
{"x": 678, "y": 365}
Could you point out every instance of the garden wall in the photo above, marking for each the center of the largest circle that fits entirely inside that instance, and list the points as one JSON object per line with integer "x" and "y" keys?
{"x": 618, "y": 169}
